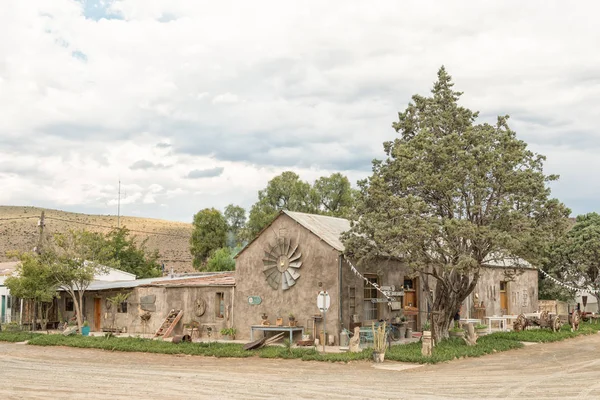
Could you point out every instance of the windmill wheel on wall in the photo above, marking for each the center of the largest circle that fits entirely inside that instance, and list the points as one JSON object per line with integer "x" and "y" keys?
{"x": 281, "y": 264}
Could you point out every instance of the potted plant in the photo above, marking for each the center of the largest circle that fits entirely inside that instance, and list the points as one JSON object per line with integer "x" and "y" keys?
{"x": 427, "y": 326}
{"x": 292, "y": 319}
{"x": 457, "y": 332}
{"x": 279, "y": 321}
{"x": 228, "y": 333}
{"x": 85, "y": 329}
{"x": 481, "y": 329}
{"x": 379, "y": 342}
{"x": 306, "y": 335}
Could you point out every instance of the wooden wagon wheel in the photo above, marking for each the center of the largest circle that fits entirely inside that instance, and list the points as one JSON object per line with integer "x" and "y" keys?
{"x": 556, "y": 324}
{"x": 200, "y": 307}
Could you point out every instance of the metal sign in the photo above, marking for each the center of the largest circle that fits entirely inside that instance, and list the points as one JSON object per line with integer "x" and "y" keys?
{"x": 379, "y": 300}
{"x": 323, "y": 301}
{"x": 398, "y": 293}
{"x": 254, "y": 300}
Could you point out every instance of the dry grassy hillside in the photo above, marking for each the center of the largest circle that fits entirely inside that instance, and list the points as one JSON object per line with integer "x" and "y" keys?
{"x": 19, "y": 231}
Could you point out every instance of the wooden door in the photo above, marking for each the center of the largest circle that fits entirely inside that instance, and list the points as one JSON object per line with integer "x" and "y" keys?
{"x": 97, "y": 314}
{"x": 503, "y": 299}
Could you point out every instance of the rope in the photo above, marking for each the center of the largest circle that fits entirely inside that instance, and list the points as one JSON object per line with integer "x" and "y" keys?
{"x": 375, "y": 285}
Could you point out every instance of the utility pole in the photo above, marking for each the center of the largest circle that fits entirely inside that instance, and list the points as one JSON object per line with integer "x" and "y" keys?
{"x": 41, "y": 224}
{"x": 119, "y": 207}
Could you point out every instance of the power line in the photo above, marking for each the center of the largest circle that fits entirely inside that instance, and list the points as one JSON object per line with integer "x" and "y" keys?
{"x": 98, "y": 225}
{"x": 113, "y": 227}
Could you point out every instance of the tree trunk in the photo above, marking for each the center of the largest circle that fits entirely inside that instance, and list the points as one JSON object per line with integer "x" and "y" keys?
{"x": 33, "y": 315}
{"x": 597, "y": 296}
{"x": 77, "y": 306}
{"x": 452, "y": 288}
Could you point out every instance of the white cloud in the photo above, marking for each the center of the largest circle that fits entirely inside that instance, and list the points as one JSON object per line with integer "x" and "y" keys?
{"x": 258, "y": 88}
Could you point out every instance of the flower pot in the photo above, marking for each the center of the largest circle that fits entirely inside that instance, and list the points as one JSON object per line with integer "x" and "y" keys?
{"x": 402, "y": 330}
{"x": 323, "y": 338}
{"x": 458, "y": 334}
{"x": 305, "y": 337}
{"x": 378, "y": 357}
{"x": 292, "y": 322}
{"x": 227, "y": 337}
{"x": 279, "y": 322}
{"x": 481, "y": 332}
{"x": 85, "y": 330}
{"x": 409, "y": 333}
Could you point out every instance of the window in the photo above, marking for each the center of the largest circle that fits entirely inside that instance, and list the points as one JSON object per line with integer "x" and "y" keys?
{"x": 352, "y": 300}
{"x": 8, "y": 301}
{"x": 370, "y": 293}
{"x": 69, "y": 306}
{"x": 122, "y": 307}
{"x": 220, "y": 305}
{"x": 502, "y": 286}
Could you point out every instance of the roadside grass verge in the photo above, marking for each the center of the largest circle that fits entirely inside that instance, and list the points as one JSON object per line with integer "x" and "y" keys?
{"x": 447, "y": 350}
{"x": 8, "y": 336}
{"x": 546, "y": 335}
{"x": 450, "y": 349}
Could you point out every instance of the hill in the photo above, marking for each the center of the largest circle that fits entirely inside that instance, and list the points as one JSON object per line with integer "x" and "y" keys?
{"x": 19, "y": 232}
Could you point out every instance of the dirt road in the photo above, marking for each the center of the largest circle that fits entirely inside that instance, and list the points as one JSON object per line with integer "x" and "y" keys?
{"x": 565, "y": 370}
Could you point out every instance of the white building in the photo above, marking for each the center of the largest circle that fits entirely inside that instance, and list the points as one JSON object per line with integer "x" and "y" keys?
{"x": 8, "y": 268}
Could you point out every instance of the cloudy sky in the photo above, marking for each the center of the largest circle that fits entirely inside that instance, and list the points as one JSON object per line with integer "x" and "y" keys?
{"x": 195, "y": 104}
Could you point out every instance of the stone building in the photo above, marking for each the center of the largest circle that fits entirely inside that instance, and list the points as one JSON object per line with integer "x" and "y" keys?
{"x": 205, "y": 299}
{"x": 285, "y": 267}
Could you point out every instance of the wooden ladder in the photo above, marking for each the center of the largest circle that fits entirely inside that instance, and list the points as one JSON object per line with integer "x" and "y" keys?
{"x": 169, "y": 323}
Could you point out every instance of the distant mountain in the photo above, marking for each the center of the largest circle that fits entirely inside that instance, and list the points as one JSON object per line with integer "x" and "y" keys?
{"x": 19, "y": 231}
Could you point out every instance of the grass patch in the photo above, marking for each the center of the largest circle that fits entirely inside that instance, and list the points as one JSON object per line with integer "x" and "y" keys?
{"x": 142, "y": 345}
{"x": 450, "y": 349}
{"x": 17, "y": 336}
{"x": 447, "y": 350}
{"x": 546, "y": 335}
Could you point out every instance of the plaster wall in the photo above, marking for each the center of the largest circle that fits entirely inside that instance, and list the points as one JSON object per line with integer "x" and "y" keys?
{"x": 319, "y": 271}
{"x": 165, "y": 299}
{"x": 522, "y": 291}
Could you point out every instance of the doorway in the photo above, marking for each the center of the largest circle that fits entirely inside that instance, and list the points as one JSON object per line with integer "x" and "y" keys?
{"x": 503, "y": 299}
{"x": 97, "y": 313}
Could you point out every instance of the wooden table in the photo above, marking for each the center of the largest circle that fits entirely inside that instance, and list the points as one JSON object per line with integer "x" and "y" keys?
{"x": 271, "y": 328}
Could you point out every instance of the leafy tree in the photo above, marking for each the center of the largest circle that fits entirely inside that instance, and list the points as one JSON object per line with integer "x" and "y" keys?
{"x": 123, "y": 253}
{"x": 236, "y": 221}
{"x": 452, "y": 196}
{"x": 74, "y": 264}
{"x": 333, "y": 195}
{"x": 33, "y": 281}
{"x": 209, "y": 235}
{"x": 221, "y": 260}
{"x": 575, "y": 258}
{"x": 284, "y": 192}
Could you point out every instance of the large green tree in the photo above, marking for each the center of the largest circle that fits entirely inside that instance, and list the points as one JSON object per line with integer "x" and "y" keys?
{"x": 333, "y": 195}
{"x": 74, "y": 264}
{"x": 575, "y": 258}
{"x": 209, "y": 235}
{"x": 34, "y": 281}
{"x": 236, "y": 221}
{"x": 122, "y": 252}
{"x": 450, "y": 197}
{"x": 284, "y": 192}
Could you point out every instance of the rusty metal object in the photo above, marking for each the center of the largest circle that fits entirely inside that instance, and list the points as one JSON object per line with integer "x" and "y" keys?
{"x": 182, "y": 338}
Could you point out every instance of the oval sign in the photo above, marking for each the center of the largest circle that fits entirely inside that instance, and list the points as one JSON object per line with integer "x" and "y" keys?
{"x": 254, "y": 300}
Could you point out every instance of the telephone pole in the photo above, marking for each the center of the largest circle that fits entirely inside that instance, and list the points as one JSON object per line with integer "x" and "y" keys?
{"x": 119, "y": 207}
{"x": 41, "y": 224}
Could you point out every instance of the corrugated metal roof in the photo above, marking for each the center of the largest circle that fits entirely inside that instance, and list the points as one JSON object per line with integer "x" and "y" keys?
{"x": 217, "y": 279}
{"x": 329, "y": 229}
{"x": 102, "y": 285}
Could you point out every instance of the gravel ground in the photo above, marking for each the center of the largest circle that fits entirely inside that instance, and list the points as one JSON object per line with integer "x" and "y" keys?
{"x": 565, "y": 370}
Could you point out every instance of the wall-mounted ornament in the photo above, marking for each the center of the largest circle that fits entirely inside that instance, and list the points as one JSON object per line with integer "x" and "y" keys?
{"x": 199, "y": 307}
{"x": 281, "y": 264}
{"x": 254, "y": 300}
